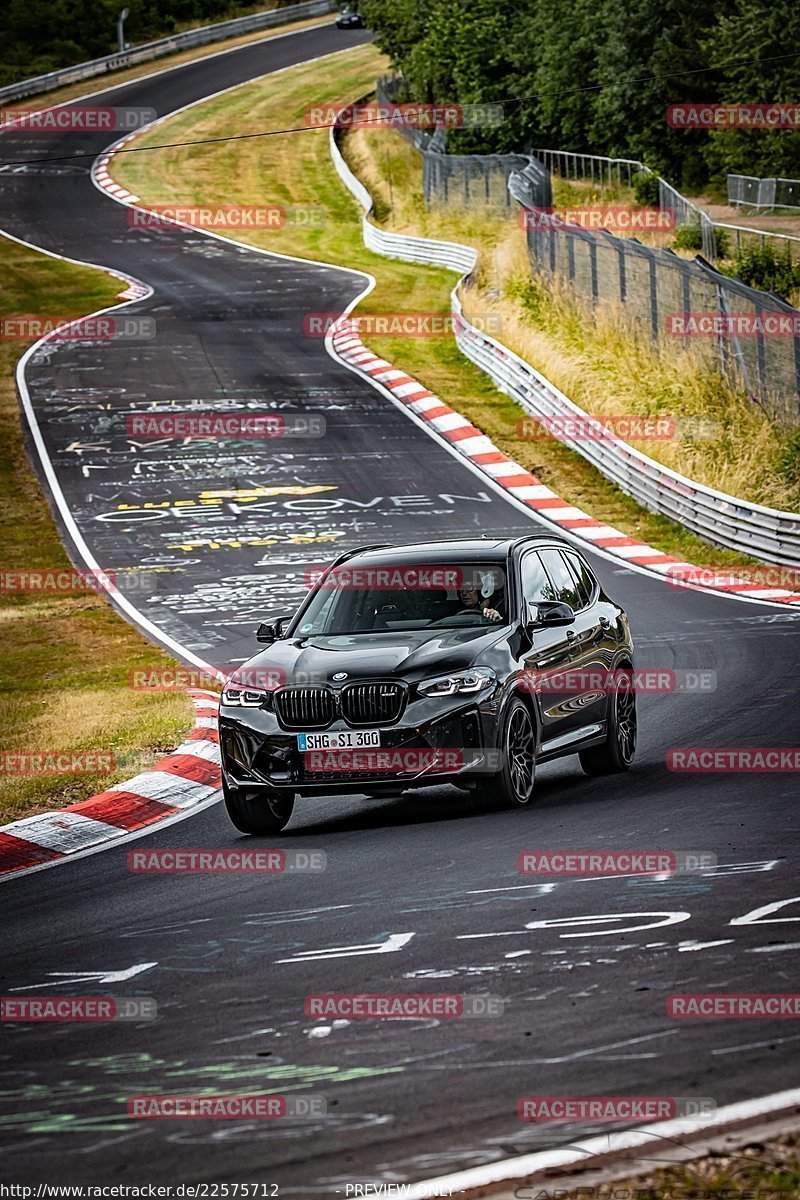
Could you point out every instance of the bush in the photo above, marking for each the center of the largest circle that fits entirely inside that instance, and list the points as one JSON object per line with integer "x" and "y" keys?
{"x": 768, "y": 269}
{"x": 645, "y": 188}
{"x": 723, "y": 243}
{"x": 688, "y": 237}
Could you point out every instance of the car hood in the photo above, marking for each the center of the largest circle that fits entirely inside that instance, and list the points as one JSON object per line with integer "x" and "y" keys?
{"x": 412, "y": 655}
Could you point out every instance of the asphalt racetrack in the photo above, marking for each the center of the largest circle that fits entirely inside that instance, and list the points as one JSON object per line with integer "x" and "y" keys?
{"x": 230, "y": 959}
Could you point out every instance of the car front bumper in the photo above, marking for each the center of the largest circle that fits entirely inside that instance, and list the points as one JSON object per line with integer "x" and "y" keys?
{"x": 427, "y": 746}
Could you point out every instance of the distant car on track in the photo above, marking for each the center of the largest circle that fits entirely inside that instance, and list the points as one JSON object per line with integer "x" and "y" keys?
{"x": 350, "y": 18}
{"x": 465, "y": 662}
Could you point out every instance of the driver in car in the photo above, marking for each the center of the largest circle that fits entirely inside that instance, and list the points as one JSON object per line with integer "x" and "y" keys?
{"x": 471, "y": 597}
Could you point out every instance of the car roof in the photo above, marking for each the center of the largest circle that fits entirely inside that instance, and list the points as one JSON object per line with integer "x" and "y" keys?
{"x": 452, "y": 550}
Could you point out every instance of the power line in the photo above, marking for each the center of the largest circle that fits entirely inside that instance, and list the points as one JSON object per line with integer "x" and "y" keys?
{"x": 238, "y": 137}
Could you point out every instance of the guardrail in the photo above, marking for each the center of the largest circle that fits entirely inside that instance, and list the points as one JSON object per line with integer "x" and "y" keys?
{"x": 764, "y": 533}
{"x": 168, "y": 45}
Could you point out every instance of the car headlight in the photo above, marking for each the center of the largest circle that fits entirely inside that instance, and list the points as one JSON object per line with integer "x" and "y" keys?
{"x": 241, "y": 697}
{"x": 461, "y": 683}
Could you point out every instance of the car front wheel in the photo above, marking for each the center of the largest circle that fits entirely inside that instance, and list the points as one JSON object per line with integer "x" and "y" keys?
{"x": 513, "y": 785}
{"x": 256, "y": 814}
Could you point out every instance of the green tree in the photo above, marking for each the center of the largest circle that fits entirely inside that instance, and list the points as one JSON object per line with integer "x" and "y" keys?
{"x": 756, "y": 29}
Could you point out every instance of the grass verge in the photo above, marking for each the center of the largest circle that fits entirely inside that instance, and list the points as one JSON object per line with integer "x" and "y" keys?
{"x": 604, "y": 361}
{"x": 296, "y": 170}
{"x": 64, "y": 658}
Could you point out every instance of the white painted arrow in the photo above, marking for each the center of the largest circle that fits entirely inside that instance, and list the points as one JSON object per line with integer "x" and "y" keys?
{"x": 395, "y": 941}
{"x": 88, "y": 977}
{"x": 692, "y": 944}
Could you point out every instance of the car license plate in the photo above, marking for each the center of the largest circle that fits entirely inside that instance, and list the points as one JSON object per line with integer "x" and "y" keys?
{"x": 347, "y": 739}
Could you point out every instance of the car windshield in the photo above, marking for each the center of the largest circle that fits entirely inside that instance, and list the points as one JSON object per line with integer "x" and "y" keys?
{"x": 365, "y": 598}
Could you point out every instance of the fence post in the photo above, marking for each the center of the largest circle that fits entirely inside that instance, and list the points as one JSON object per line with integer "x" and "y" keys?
{"x": 653, "y": 294}
{"x": 623, "y": 282}
{"x": 570, "y": 256}
{"x": 761, "y": 354}
{"x": 686, "y": 297}
{"x": 726, "y": 351}
{"x": 593, "y": 270}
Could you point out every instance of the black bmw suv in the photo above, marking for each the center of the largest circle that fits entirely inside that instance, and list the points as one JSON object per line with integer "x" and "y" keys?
{"x": 462, "y": 662}
{"x": 350, "y": 18}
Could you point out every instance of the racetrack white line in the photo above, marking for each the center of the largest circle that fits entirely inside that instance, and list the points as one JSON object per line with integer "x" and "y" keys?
{"x": 583, "y": 1152}
{"x": 192, "y": 62}
{"x": 122, "y": 602}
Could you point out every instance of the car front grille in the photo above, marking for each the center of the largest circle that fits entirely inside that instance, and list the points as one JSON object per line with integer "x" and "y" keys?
{"x": 368, "y": 705}
{"x": 373, "y": 703}
{"x": 305, "y": 707}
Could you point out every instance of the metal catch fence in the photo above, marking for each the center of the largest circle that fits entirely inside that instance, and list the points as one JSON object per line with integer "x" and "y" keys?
{"x": 464, "y": 180}
{"x": 755, "y": 335}
{"x": 752, "y": 192}
{"x": 718, "y": 238}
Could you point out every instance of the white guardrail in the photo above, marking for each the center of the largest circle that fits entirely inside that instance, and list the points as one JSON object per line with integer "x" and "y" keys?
{"x": 764, "y": 533}
{"x": 168, "y": 45}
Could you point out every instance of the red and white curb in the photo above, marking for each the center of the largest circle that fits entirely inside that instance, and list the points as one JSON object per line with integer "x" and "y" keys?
{"x": 183, "y": 779}
{"x": 101, "y": 176}
{"x": 101, "y": 179}
{"x": 481, "y": 451}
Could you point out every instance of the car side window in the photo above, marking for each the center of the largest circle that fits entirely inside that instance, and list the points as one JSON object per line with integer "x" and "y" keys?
{"x": 586, "y": 583}
{"x": 535, "y": 584}
{"x": 565, "y": 586}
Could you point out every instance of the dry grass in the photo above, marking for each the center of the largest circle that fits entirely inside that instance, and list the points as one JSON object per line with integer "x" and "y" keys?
{"x": 603, "y": 361}
{"x": 758, "y": 1171}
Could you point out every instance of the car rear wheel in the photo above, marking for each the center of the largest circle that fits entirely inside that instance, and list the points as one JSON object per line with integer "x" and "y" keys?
{"x": 618, "y": 750}
{"x": 513, "y": 785}
{"x": 257, "y": 814}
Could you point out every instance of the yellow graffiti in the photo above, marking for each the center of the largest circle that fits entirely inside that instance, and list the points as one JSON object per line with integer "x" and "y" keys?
{"x": 242, "y": 495}
{"x": 297, "y": 539}
{"x": 292, "y": 490}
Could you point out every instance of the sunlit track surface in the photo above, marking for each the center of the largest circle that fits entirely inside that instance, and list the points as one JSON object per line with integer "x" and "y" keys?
{"x": 230, "y": 959}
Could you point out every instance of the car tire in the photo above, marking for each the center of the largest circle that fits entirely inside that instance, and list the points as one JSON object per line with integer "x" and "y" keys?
{"x": 618, "y": 750}
{"x": 256, "y": 815}
{"x": 513, "y": 785}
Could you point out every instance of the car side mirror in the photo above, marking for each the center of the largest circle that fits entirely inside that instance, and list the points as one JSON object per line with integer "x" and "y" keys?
{"x": 270, "y": 631}
{"x": 549, "y": 613}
